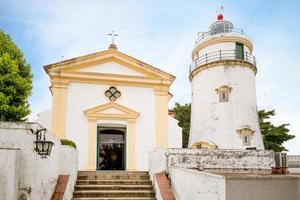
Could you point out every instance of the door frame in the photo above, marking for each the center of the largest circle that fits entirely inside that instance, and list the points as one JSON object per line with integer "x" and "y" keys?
{"x": 116, "y": 126}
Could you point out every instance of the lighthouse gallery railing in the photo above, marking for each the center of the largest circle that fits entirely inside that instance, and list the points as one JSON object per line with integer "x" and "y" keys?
{"x": 220, "y": 30}
{"x": 222, "y": 55}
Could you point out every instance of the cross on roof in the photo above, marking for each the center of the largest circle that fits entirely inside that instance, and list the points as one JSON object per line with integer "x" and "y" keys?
{"x": 113, "y": 35}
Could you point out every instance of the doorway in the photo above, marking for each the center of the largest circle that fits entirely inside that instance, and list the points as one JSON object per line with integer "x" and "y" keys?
{"x": 111, "y": 148}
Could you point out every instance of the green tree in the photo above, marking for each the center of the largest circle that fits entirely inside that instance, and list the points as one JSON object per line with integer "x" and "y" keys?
{"x": 183, "y": 115}
{"x": 273, "y": 136}
{"x": 15, "y": 81}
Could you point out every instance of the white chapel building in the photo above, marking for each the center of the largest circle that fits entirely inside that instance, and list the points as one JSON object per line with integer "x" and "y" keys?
{"x": 114, "y": 107}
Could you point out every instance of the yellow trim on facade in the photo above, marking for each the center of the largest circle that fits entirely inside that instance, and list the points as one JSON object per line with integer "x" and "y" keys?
{"x": 245, "y": 131}
{"x": 110, "y": 55}
{"x": 92, "y": 144}
{"x": 204, "y": 145}
{"x": 131, "y": 143}
{"x": 98, "y": 113}
{"x": 59, "y": 108}
{"x": 224, "y": 38}
{"x": 222, "y": 63}
{"x": 161, "y": 117}
{"x": 110, "y": 79}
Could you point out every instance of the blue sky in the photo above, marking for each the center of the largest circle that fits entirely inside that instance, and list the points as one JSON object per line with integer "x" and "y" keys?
{"x": 162, "y": 33}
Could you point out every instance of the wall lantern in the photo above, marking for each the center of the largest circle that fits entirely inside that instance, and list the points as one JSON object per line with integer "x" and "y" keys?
{"x": 42, "y": 146}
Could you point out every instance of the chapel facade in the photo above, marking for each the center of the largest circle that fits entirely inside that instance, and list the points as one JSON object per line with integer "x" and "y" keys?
{"x": 114, "y": 107}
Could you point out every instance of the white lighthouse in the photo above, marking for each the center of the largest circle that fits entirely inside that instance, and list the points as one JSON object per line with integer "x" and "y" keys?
{"x": 224, "y": 111}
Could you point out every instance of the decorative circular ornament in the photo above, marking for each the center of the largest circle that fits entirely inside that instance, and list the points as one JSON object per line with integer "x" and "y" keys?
{"x": 112, "y": 93}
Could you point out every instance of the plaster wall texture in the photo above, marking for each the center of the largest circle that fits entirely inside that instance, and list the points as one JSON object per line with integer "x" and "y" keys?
{"x": 112, "y": 68}
{"x": 275, "y": 187}
{"x": 45, "y": 119}
{"x": 84, "y": 96}
{"x": 175, "y": 133}
{"x": 37, "y": 177}
{"x": 162, "y": 159}
{"x": 68, "y": 165}
{"x": 8, "y": 176}
{"x": 191, "y": 184}
{"x": 218, "y": 122}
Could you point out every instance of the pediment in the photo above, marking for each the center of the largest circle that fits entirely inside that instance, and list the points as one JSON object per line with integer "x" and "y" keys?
{"x": 111, "y": 110}
{"x": 112, "y": 67}
{"x": 108, "y": 62}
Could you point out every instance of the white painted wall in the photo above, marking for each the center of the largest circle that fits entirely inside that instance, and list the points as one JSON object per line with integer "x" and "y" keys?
{"x": 190, "y": 184}
{"x": 45, "y": 119}
{"x": 84, "y": 96}
{"x": 112, "y": 68}
{"x": 9, "y": 179}
{"x": 68, "y": 165}
{"x": 36, "y": 177}
{"x": 175, "y": 133}
{"x": 218, "y": 121}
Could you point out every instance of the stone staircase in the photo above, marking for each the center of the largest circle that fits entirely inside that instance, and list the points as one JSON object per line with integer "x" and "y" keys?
{"x": 113, "y": 185}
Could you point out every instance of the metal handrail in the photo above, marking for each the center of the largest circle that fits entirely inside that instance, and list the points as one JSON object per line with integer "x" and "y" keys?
{"x": 202, "y": 35}
{"x": 222, "y": 55}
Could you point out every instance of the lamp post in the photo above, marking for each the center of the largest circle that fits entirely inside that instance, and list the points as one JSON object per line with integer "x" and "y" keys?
{"x": 42, "y": 146}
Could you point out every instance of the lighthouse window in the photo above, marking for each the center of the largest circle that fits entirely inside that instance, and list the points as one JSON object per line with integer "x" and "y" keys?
{"x": 224, "y": 92}
{"x": 246, "y": 140}
{"x": 246, "y": 133}
{"x": 224, "y": 96}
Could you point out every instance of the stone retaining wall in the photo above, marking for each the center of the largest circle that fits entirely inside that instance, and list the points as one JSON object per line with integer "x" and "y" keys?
{"x": 294, "y": 161}
{"x": 164, "y": 159}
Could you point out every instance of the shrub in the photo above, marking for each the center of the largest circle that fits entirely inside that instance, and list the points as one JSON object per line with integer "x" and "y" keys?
{"x": 68, "y": 142}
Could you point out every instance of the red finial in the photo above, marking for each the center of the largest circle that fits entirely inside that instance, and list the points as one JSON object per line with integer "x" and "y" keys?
{"x": 220, "y": 17}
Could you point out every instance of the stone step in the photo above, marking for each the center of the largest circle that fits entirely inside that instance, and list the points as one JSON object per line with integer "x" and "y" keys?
{"x": 113, "y": 193}
{"x": 114, "y": 187}
{"x": 113, "y": 177}
{"x": 113, "y": 182}
{"x": 113, "y": 172}
{"x": 114, "y": 198}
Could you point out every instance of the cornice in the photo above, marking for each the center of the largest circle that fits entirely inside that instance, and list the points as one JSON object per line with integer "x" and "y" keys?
{"x": 101, "y": 78}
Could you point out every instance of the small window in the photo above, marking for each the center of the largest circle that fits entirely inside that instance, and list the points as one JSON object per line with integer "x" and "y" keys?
{"x": 246, "y": 140}
{"x": 199, "y": 146}
{"x": 223, "y": 96}
{"x": 224, "y": 92}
